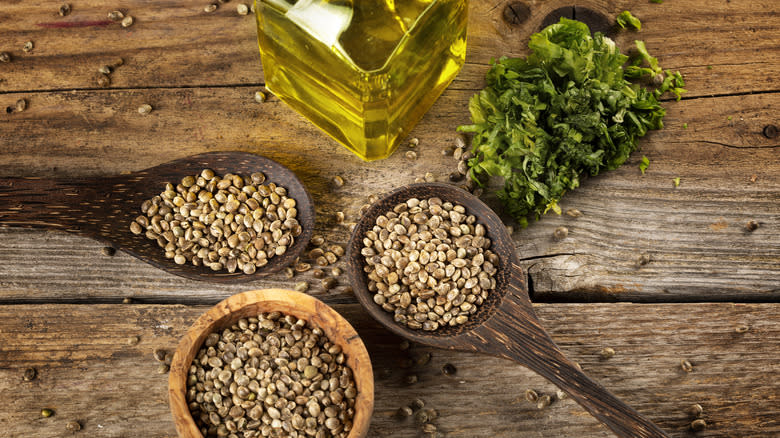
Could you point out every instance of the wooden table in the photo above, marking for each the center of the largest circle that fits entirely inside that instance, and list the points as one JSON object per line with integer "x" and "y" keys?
{"x": 708, "y": 292}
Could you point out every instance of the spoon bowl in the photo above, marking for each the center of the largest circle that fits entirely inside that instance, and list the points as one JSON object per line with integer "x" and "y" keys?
{"x": 505, "y": 324}
{"x": 104, "y": 207}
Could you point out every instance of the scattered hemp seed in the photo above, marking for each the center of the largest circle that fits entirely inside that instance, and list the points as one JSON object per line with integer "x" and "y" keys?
{"x": 606, "y": 353}
{"x": 405, "y": 412}
{"x": 103, "y": 80}
{"x": 289, "y": 273}
{"x": 686, "y": 365}
{"x": 741, "y": 329}
{"x": 115, "y": 15}
{"x": 108, "y": 251}
{"x": 336, "y": 271}
{"x": 429, "y": 428}
{"x": 28, "y": 47}
{"x": 145, "y": 109}
{"x": 560, "y": 233}
{"x": 421, "y": 417}
{"x": 642, "y": 260}
{"x": 260, "y": 97}
{"x": 412, "y": 155}
{"x": 163, "y": 368}
{"x": 429, "y": 177}
{"x": 210, "y": 8}
{"x": 318, "y": 273}
{"x": 695, "y": 410}
{"x": 449, "y": 369}
{"x": 301, "y": 286}
{"x": 414, "y": 142}
{"x": 317, "y": 240}
{"x": 698, "y": 425}
{"x": 133, "y": 340}
{"x": 159, "y": 355}
{"x": 447, "y": 151}
{"x": 21, "y": 105}
{"x": 560, "y": 394}
{"x": 46, "y": 412}
{"x": 531, "y": 395}
{"x": 5, "y": 57}
{"x": 242, "y": 9}
{"x": 328, "y": 283}
{"x": 418, "y": 404}
{"x": 128, "y": 21}
{"x": 422, "y": 359}
{"x": 573, "y": 212}
{"x": 339, "y": 217}
{"x": 30, "y": 374}
{"x": 544, "y": 401}
{"x": 73, "y": 426}
{"x": 127, "y": 300}
{"x": 338, "y": 181}
{"x": 104, "y": 69}
{"x": 456, "y": 176}
{"x": 302, "y": 267}
{"x": 461, "y": 141}
{"x": 419, "y": 179}
{"x": 65, "y": 9}
{"x": 751, "y": 226}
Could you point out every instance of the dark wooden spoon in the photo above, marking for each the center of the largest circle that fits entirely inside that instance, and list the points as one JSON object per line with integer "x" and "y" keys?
{"x": 104, "y": 207}
{"x": 505, "y": 324}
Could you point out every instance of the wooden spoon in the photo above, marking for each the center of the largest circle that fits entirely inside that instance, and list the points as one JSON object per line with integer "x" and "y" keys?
{"x": 505, "y": 324}
{"x": 104, "y": 207}
{"x": 243, "y": 305}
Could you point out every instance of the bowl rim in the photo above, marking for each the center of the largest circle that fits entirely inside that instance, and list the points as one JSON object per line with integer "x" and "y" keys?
{"x": 226, "y": 312}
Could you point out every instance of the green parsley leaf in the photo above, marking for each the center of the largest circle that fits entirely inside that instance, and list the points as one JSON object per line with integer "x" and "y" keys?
{"x": 643, "y": 165}
{"x": 565, "y": 111}
{"x": 676, "y": 182}
{"x": 625, "y": 19}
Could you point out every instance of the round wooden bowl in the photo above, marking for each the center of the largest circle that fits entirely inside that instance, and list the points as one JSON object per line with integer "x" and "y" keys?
{"x": 252, "y": 303}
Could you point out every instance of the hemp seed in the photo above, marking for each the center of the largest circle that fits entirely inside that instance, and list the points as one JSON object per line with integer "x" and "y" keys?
{"x": 242, "y": 9}
{"x": 28, "y": 47}
{"x": 128, "y": 21}
{"x": 73, "y": 426}
{"x": 115, "y": 15}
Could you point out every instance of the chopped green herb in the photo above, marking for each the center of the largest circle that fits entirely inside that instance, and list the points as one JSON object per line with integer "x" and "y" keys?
{"x": 565, "y": 110}
{"x": 676, "y": 182}
{"x": 643, "y": 165}
{"x": 625, "y": 19}
{"x": 729, "y": 117}
{"x": 709, "y": 67}
{"x": 657, "y": 1}
{"x": 685, "y": 126}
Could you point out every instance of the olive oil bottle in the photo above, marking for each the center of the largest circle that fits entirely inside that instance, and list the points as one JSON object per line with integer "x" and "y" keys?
{"x": 364, "y": 71}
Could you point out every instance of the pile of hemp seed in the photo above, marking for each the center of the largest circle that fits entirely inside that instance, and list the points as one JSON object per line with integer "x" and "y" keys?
{"x": 429, "y": 263}
{"x": 271, "y": 375}
{"x": 232, "y": 223}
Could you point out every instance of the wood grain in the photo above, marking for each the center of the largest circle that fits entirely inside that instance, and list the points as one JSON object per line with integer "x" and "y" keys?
{"x": 87, "y": 372}
{"x": 693, "y": 234}
{"x": 725, "y": 48}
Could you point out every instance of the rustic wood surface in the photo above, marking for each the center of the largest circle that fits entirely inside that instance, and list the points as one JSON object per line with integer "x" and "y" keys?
{"x": 87, "y": 372}
{"x": 684, "y": 252}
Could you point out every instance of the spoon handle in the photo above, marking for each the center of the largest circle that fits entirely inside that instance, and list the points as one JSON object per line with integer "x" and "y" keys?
{"x": 515, "y": 332}
{"x": 70, "y": 205}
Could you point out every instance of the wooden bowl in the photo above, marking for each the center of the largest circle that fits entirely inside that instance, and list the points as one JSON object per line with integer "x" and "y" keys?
{"x": 252, "y": 303}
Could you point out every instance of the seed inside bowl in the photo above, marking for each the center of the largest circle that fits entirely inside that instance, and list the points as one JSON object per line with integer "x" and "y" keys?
{"x": 233, "y": 222}
{"x": 273, "y": 375}
{"x": 429, "y": 263}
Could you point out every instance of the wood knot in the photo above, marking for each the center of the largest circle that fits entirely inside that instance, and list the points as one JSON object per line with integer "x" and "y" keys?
{"x": 770, "y": 131}
{"x": 516, "y": 13}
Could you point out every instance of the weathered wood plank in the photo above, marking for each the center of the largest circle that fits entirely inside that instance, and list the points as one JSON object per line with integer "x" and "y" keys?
{"x": 87, "y": 372}
{"x": 722, "y": 48}
{"x": 694, "y": 234}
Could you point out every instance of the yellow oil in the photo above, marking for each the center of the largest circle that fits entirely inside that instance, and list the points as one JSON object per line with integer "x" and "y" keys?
{"x": 364, "y": 71}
